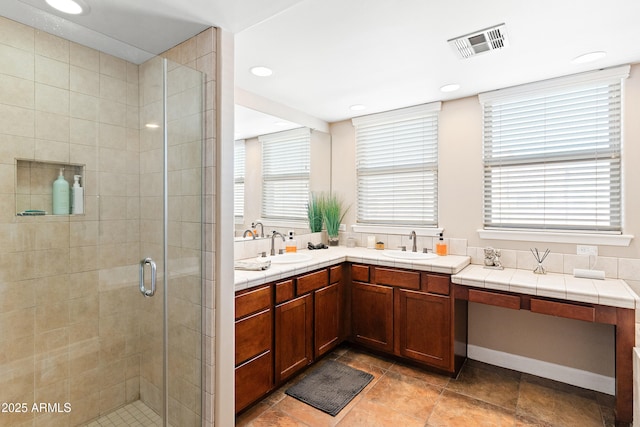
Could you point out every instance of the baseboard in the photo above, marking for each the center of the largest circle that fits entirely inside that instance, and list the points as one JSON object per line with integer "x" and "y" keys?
{"x": 577, "y": 377}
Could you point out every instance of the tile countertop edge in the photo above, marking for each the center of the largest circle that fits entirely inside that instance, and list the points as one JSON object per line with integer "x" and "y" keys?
{"x": 450, "y": 264}
{"x": 616, "y": 292}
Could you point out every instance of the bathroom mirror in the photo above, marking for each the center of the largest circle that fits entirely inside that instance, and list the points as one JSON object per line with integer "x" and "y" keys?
{"x": 250, "y": 124}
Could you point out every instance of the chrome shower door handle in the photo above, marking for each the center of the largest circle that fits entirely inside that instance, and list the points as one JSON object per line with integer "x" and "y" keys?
{"x": 143, "y": 290}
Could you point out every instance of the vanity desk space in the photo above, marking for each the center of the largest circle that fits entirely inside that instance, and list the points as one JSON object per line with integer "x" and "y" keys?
{"x": 608, "y": 301}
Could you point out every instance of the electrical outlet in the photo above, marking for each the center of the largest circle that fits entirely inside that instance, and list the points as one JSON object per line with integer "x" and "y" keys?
{"x": 587, "y": 250}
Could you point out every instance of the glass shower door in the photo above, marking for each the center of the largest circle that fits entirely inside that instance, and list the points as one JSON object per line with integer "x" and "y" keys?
{"x": 170, "y": 194}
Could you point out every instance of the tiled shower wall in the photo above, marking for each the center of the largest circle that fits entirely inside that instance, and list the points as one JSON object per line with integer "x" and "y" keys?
{"x": 70, "y": 310}
{"x": 68, "y": 303}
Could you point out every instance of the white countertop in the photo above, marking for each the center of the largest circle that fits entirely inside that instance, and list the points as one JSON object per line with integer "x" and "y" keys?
{"x": 611, "y": 292}
{"x": 244, "y": 279}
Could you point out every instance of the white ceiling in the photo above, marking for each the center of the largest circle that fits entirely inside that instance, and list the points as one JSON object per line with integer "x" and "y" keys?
{"x": 329, "y": 54}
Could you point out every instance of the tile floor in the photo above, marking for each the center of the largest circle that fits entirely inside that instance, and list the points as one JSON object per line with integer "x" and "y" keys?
{"x": 404, "y": 396}
{"x": 134, "y": 414}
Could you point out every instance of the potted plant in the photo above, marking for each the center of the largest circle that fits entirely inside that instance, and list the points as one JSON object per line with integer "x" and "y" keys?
{"x": 333, "y": 216}
{"x": 315, "y": 209}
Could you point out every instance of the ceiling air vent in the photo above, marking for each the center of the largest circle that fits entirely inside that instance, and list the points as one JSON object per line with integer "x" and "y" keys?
{"x": 480, "y": 41}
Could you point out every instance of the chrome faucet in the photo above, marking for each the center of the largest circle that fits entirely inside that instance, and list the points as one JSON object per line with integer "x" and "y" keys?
{"x": 412, "y": 236}
{"x": 273, "y": 236}
{"x": 248, "y": 232}
{"x": 258, "y": 223}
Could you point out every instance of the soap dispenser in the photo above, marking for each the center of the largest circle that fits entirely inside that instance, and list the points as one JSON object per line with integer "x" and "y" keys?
{"x": 441, "y": 247}
{"x": 78, "y": 196}
{"x": 61, "y": 195}
{"x": 291, "y": 245}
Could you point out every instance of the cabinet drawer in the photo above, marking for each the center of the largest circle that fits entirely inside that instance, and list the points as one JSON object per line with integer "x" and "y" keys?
{"x": 254, "y": 379}
{"x": 252, "y": 301}
{"x": 399, "y": 278}
{"x": 360, "y": 273}
{"x": 284, "y": 291}
{"x": 560, "y": 309}
{"x": 312, "y": 281}
{"x": 436, "y": 284}
{"x": 253, "y": 335}
{"x": 335, "y": 274}
{"x": 494, "y": 298}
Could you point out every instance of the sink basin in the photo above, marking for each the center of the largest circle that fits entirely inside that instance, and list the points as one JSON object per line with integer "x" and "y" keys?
{"x": 287, "y": 258}
{"x": 417, "y": 256}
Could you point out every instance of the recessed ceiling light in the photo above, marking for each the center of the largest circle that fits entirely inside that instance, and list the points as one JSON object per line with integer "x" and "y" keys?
{"x": 261, "y": 71}
{"x": 588, "y": 57}
{"x": 357, "y": 107}
{"x": 450, "y": 88}
{"x": 152, "y": 125}
{"x": 72, "y": 7}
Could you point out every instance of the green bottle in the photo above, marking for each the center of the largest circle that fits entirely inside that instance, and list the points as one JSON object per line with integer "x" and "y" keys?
{"x": 61, "y": 195}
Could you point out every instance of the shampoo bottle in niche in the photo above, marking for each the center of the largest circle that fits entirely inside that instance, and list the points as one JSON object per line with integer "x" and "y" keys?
{"x": 61, "y": 195}
{"x": 77, "y": 206}
{"x": 441, "y": 247}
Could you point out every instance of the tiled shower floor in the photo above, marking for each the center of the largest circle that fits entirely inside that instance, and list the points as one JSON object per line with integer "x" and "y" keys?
{"x": 134, "y": 414}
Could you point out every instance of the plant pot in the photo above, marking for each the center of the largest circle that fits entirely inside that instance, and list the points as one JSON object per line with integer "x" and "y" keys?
{"x": 333, "y": 241}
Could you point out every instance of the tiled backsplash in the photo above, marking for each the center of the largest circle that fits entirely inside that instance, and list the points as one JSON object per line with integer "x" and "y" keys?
{"x": 627, "y": 269}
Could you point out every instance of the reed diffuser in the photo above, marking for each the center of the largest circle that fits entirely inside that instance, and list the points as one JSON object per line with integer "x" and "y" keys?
{"x": 540, "y": 258}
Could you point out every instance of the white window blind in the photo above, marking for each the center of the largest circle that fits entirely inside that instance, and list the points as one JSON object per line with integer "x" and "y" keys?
{"x": 397, "y": 167}
{"x": 552, "y": 154}
{"x": 238, "y": 179}
{"x": 285, "y": 174}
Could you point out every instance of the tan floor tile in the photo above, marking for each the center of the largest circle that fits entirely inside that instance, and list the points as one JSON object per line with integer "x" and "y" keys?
{"x": 274, "y": 418}
{"x": 370, "y": 414}
{"x": 455, "y": 410}
{"x": 367, "y": 359}
{"x": 404, "y": 394}
{"x": 253, "y": 412}
{"x": 499, "y": 387}
{"x": 557, "y": 407}
{"x": 310, "y": 415}
{"x": 428, "y": 377}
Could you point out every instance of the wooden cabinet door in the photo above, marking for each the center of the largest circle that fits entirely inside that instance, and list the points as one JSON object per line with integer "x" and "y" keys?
{"x": 424, "y": 325}
{"x": 372, "y": 315}
{"x": 294, "y": 336}
{"x": 327, "y": 308}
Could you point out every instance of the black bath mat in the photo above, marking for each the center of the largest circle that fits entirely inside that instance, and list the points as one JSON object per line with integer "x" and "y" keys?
{"x": 330, "y": 387}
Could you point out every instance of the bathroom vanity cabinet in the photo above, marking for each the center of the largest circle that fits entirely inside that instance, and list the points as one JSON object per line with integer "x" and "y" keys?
{"x": 407, "y": 313}
{"x": 283, "y": 327}
{"x": 254, "y": 345}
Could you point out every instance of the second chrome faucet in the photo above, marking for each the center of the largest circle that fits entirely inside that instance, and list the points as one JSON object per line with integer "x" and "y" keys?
{"x": 273, "y": 237}
{"x": 412, "y": 236}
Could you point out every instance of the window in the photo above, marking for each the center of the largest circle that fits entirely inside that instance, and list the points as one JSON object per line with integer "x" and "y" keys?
{"x": 552, "y": 154}
{"x": 238, "y": 179}
{"x": 285, "y": 174}
{"x": 397, "y": 167}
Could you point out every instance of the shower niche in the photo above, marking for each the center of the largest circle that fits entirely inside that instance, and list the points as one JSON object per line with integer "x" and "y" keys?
{"x": 34, "y": 184}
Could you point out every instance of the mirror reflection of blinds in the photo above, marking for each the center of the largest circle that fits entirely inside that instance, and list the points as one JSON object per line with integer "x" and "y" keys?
{"x": 397, "y": 167}
{"x": 552, "y": 154}
{"x": 285, "y": 174}
{"x": 238, "y": 178}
